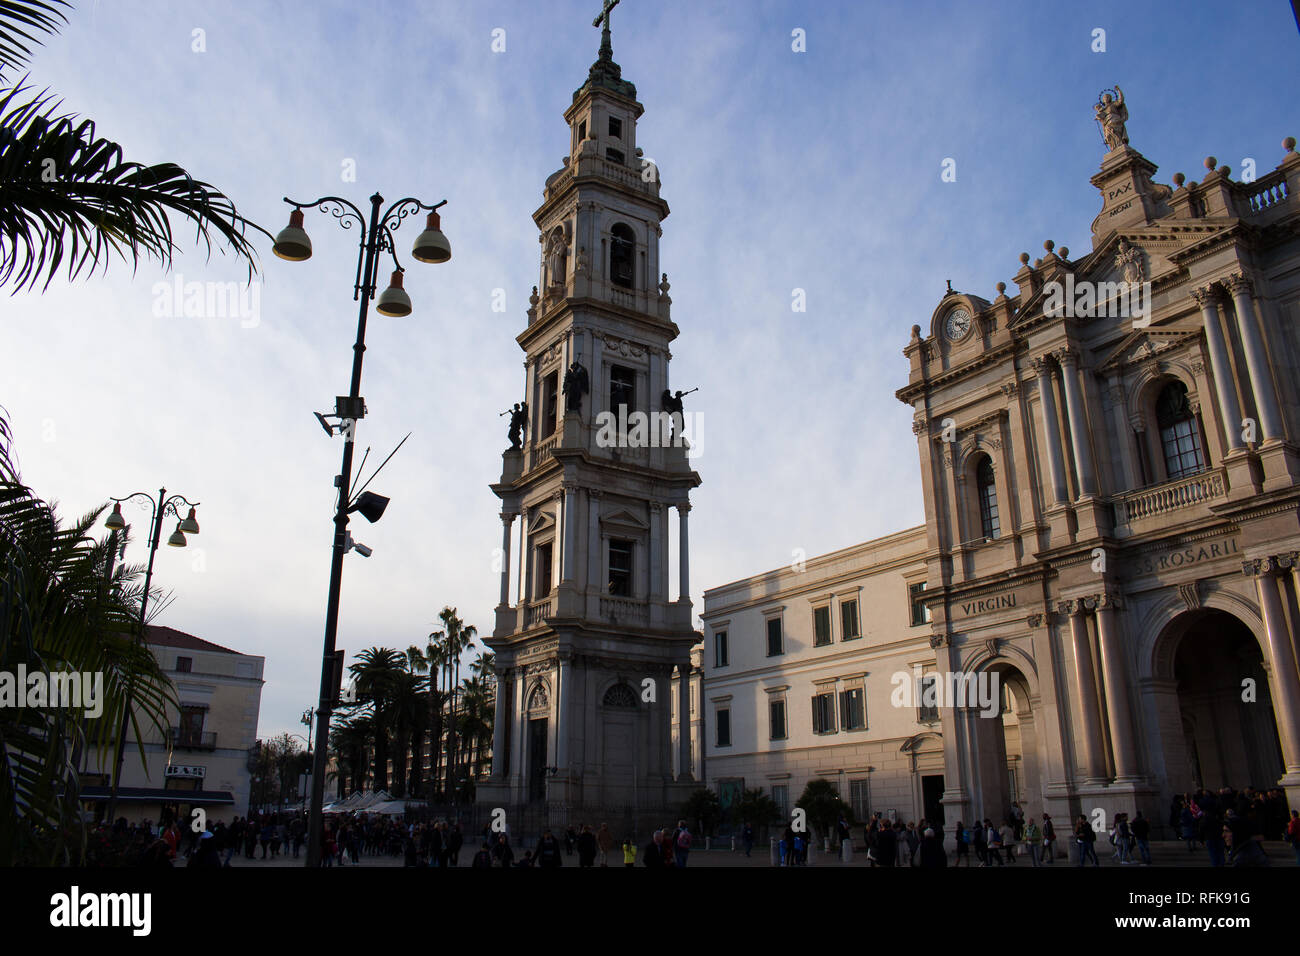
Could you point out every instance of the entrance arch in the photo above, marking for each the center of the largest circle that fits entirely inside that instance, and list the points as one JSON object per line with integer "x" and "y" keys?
{"x": 1220, "y": 729}
{"x": 1005, "y": 753}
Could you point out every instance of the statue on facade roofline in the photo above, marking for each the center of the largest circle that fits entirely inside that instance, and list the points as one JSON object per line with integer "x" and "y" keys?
{"x": 1112, "y": 115}
{"x": 575, "y": 384}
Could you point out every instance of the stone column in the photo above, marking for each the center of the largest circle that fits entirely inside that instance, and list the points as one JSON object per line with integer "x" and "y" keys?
{"x": 1281, "y": 665}
{"x": 507, "y": 521}
{"x": 557, "y": 542}
{"x": 1252, "y": 343}
{"x": 570, "y": 530}
{"x": 1085, "y": 688}
{"x": 518, "y": 729}
{"x": 684, "y": 774}
{"x": 1220, "y": 366}
{"x": 500, "y": 727}
{"x": 1051, "y": 434}
{"x": 563, "y": 707}
{"x": 683, "y": 561}
{"x": 1119, "y": 713}
{"x": 1119, "y": 418}
{"x": 658, "y": 583}
{"x": 1074, "y": 412}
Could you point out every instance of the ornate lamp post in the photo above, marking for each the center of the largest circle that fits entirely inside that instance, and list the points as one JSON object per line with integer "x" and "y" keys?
{"x": 293, "y": 244}
{"x": 115, "y": 522}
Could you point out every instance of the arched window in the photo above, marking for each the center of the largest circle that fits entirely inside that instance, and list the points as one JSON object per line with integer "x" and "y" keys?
{"x": 1180, "y": 438}
{"x": 622, "y": 249}
{"x": 987, "y": 490}
{"x": 620, "y": 695}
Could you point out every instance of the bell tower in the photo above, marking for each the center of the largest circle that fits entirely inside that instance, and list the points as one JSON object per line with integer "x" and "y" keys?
{"x": 591, "y": 648}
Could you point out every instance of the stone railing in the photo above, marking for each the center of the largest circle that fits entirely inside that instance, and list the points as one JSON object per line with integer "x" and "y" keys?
{"x": 1169, "y": 497}
{"x": 542, "y": 452}
{"x": 624, "y": 610}
{"x": 1264, "y": 193}
{"x": 538, "y": 612}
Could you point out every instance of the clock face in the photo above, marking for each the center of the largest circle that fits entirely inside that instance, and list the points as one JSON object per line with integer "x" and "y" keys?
{"x": 957, "y": 324}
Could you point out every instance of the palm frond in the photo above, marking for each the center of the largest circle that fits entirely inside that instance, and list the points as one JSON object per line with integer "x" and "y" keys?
{"x": 21, "y": 22}
{"x": 70, "y": 195}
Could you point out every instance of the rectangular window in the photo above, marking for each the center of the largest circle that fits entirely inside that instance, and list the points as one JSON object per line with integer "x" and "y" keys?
{"x": 928, "y": 710}
{"x": 622, "y": 389}
{"x": 185, "y": 665}
{"x": 724, "y": 727}
{"x": 774, "y": 647}
{"x": 191, "y": 729}
{"x": 823, "y": 707}
{"x": 781, "y": 797}
{"x": 543, "y": 559}
{"x": 776, "y": 719}
{"x": 849, "y": 620}
{"x": 859, "y": 799}
{"x": 853, "y": 713}
{"x": 920, "y": 610}
{"x": 582, "y": 131}
{"x": 620, "y": 567}
{"x": 615, "y": 127}
{"x": 821, "y": 626}
{"x": 550, "y": 403}
{"x": 720, "y": 649}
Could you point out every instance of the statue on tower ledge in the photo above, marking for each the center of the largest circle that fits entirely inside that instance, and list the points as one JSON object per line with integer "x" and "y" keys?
{"x": 575, "y": 384}
{"x": 1112, "y": 115}
{"x": 518, "y": 422}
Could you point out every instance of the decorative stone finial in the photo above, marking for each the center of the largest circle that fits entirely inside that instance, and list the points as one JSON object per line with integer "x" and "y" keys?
{"x": 1210, "y": 163}
{"x": 532, "y": 299}
{"x": 1024, "y": 258}
{"x": 916, "y": 331}
{"x": 663, "y": 285}
{"x": 1289, "y": 144}
{"x": 1001, "y": 287}
{"x": 1065, "y": 252}
{"x": 1179, "y": 179}
{"x": 1037, "y": 263}
{"x": 1225, "y": 169}
{"x": 1049, "y": 245}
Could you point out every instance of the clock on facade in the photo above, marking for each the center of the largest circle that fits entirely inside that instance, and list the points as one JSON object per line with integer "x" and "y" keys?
{"x": 957, "y": 324}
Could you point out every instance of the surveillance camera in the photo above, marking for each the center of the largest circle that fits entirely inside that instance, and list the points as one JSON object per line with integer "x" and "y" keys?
{"x": 362, "y": 549}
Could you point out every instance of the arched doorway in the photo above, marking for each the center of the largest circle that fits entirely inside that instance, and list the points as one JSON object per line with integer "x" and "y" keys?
{"x": 1224, "y": 705}
{"x": 1005, "y": 743}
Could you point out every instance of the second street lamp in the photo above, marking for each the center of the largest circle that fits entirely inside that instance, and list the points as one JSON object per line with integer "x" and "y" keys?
{"x": 160, "y": 509}
{"x": 376, "y": 237}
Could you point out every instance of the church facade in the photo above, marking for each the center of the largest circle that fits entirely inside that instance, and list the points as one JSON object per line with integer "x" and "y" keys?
{"x": 1111, "y": 484}
{"x": 592, "y": 647}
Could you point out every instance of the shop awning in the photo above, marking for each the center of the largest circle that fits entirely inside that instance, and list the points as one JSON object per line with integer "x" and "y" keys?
{"x": 158, "y": 795}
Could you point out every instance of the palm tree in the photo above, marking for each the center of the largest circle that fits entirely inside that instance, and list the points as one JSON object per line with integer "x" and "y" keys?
{"x": 64, "y": 607}
{"x": 458, "y": 639}
{"x": 351, "y": 742}
{"x": 69, "y": 193}
{"x": 431, "y": 661}
{"x": 476, "y": 722}
{"x": 376, "y": 674}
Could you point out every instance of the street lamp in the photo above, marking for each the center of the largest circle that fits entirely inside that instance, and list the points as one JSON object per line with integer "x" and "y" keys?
{"x": 294, "y": 245}
{"x": 115, "y": 522}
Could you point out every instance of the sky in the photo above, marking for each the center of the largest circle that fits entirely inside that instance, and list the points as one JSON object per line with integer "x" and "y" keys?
{"x": 816, "y": 169}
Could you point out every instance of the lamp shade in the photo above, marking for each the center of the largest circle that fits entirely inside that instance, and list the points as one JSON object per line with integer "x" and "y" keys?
{"x": 293, "y": 242}
{"x": 191, "y": 524}
{"x": 177, "y": 540}
{"x": 115, "y": 521}
{"x": 370, "y": 505}
{"x": 394, "y": 301}
{"x": 431, "y": 245}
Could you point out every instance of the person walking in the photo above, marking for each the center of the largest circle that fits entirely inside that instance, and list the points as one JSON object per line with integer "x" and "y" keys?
{"x": 1008, "y": 835}
{"x": 1049, "y": 839}
{"x": 629, "y": 852}
{"x": 587, "y": 847}
{"x": 981, "y": 843}
{"x": 1033, "y": 838}
{"x": 605, "y": 843}
{"x": 913, "y": 843}
{"x": 682, "y": 842}
{"x": 502, "y": 852}
{"x": 653, "y": 855}
{"x": 962, "y": 836}
{"x": 886, "y": 846}
{"x": 454, "y": 842}
{"x": 1085, "y": 837}
{"x": 747, "y": 838}
{"x": 1141, "y": 831}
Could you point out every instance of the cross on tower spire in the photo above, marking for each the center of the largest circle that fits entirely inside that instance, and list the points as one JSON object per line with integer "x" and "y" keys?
{"x": 606, "y": 46}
